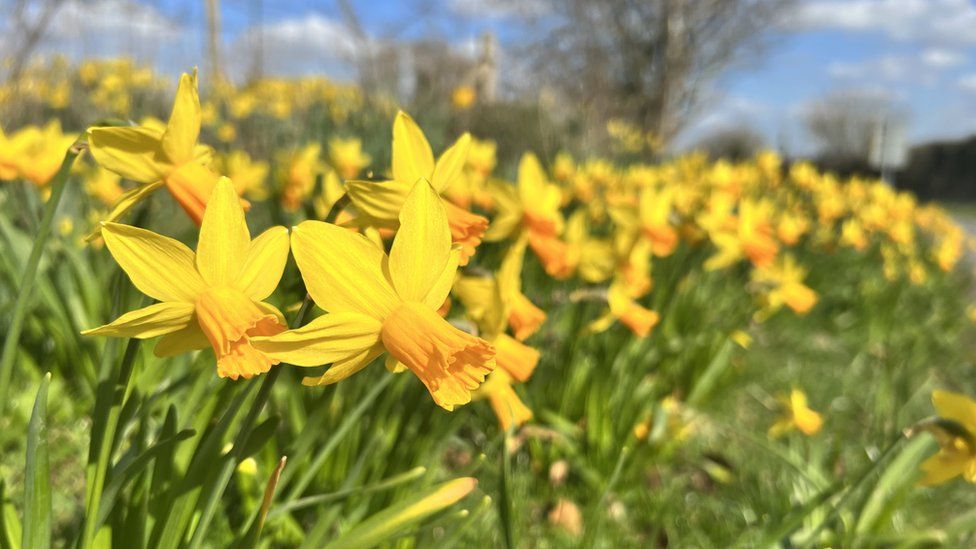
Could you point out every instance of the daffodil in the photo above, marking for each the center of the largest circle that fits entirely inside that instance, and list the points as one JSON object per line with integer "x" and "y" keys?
{"x": 592, "y": 258}
{"x": 955, "y": 430}
{"x": 212, "y": 297}
{"x": 379, "y": 202}
{"x": 655, "y": 212}
{"x": 488, "y": 302}
{"x": 784, "y": 286}
{"x": 347, "y": 156}
{"x": 249, "y": 176}
{"x": 621, "y": 307}
{"x": 796, "y": 415}
{"x": 298, "y": 178}
{"x": 532, "y": 209}
{"x": 104, "y": 185}
{"x": 44, "y": 153}
{"x": 13, "y": 151}
{"x": 378, "y": 303}
{"x": 156, "y": 158}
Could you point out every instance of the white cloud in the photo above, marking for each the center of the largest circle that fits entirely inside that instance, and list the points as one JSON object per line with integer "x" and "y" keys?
{"x": 498, "y": 9}
{"x": 108, "y": 28}
{"x": 941, "y": 58}
{"x": 310, "y": 44}
{"x": 926, "y": 21}
{"x": 968, "y": 82}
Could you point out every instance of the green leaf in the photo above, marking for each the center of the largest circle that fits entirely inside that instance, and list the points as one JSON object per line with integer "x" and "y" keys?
{"x": 389, "y": 522}
{"x": 37, "y": 491}
{"x": 10, "y": 527}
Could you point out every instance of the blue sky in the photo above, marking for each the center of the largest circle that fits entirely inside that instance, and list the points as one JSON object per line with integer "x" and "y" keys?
{"x": 920, "y": 54}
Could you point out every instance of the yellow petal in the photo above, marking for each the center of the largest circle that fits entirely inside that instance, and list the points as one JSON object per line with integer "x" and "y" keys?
{"x": 943, "y": 466}
{"x": 151, "y": 321}
{"x": 342, "y": 369}
{"x": 412, "y": 157}
{"x": 957, "y": 407}
{"x": 343, "y": 271}
{"x": 379, "y": 202}
{"x": 327, "y": 339}
{"x": 265, "y": 261}
{"x": 531, "y": 179}
{"x": 441, "y": 287}
{"x": 125, "y": 203}
{"x": 190, "y": 338}
{"x": 160, "y": 267}
{"x": 451, "y": 164}
{"x": 422, "y": 245}
{"x": 133, "y": 152}
{"x": 224, "y": 238}
{"x": 508, "y": 212}
{"x": 184, "y": 122}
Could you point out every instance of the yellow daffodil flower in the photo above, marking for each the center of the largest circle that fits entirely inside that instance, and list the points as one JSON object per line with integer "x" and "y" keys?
{"x": 655, "y": 215}
{"x": 249, "y": 176}
{"x": 13, "y": 151}
{"x": 532, "y": 209}
{"x": 44, "y": 153}
{"x": 639, "y": 319}
{"x": 955, "y": 431}
{"x": 379, "y": 202}
{"x": 104, "y": 186}
{"x": 298, "y": 178}
{"x": 379, "y": 303}
{"x": 785, "y": 279}
{"x": 156, "y": 157}
{"x": 347, "y": 156}
{"x": 211, "y": 297}
{"x": 796, "y": 415}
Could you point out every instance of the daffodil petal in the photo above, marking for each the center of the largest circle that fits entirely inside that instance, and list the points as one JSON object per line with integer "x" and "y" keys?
{"x": 412, "y": 157}
{"x": 422, "y": 245}
{"x": 956, "y": 407}
{"x": 154, "y": 320}
{"x": 343, "y": 270}
{"x": 327, "y": 339}
{"x": 224, "y": 238}
{"x": 160, "y": 267}
{"x": 133, "y": 152}
{"x": 183, "y": 128}
{"x": 344, "y": 368}
{"x": 125, "y": 203}
{"x": 451, "y": 164}
{"x": 441, "y": 286}
{"x": 531, "y": 179}
{"x": 189, "y": 338}
{"x": 265, "y": 261}
{"x": 508, "y": 212}
{"x": 379, "y": 202}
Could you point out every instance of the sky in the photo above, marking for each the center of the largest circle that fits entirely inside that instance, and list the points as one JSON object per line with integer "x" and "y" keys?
{"x": 921, "y": 54}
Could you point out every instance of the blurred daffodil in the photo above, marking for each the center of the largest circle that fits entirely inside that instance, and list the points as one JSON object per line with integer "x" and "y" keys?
{"x": 796, "y": 415}
{"x": 955, "y": 431}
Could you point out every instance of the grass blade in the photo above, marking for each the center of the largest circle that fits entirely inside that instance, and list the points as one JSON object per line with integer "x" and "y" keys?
{"x": 37, "y": 493}
{"x": 387, "y": 523}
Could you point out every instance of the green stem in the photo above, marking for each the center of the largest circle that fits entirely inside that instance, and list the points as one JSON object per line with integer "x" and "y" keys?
{"x": 58, "y": 184}
{"x": 112, "y": 396}
{"x": 216, "y": 487}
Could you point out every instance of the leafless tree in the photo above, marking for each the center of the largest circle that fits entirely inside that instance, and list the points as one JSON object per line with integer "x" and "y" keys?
{"x": 30, "y": 21}
{"x": 732, "y": 142}
{"x": 649, "y": 61}
{"x": 844, "y": 123}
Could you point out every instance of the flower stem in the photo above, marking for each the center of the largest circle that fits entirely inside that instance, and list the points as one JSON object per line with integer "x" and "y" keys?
{"x": 58, "y": 183}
